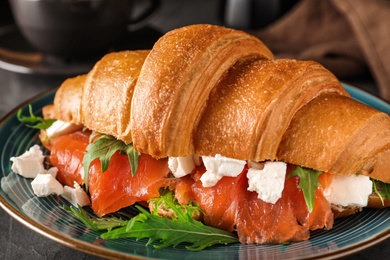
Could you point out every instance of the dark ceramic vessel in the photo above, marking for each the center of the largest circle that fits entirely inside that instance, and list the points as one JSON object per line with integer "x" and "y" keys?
{"x": 73, "y": 28}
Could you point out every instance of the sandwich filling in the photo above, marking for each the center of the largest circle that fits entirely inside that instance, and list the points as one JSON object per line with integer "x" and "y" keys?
{"x": 261, "y": 201}
{"x": 267, "y": 179}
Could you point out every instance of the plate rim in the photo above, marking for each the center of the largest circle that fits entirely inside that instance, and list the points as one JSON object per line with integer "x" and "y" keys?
{"x": 111, "y": 254}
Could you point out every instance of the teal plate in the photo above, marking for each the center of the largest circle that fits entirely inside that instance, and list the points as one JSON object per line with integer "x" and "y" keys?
{"x": 44, "y": 215}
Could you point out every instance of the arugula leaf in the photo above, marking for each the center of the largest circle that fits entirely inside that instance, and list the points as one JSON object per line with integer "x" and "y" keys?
{"x": 167, "y": 198}
{"x": 170, "y": 232}
{"x": 103, "y": 148}
{"x": 39, "y": 122}
{"x": 377, "y": 192}
{"x": 384, "y": 190}
{"x": 95, "y": 224}
{"x": 308, "y": 184}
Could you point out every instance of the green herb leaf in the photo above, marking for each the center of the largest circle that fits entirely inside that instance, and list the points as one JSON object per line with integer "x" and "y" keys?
{"x": 95, "y": 224}
{"x": 103, "y": 148}
{"x": 133, "y": 157}
{"x": 384, "y": 189}
{"x": 308, "y": 184}
{"x": 168, "y": 200}
{"x": 39, "y": 122}
{"x": 377, "y": 192}
{"x": 171, "y": 232}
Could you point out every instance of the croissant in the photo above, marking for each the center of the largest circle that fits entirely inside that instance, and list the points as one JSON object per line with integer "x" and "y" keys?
{"x": 211, "y": 91}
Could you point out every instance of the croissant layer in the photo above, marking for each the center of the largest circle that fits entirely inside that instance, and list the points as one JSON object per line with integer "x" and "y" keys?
{"x": 251, "y": 107}
{"x": 67, "y": 101}
{"x": 337, "y": 134}
{"x": 105, "y": 84}
{"x": 101, "y": 100}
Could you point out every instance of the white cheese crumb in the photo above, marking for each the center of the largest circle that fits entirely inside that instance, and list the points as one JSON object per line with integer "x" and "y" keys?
{"x": 349, "y": 190}
{"x": 181, "y": 166}
{"x": 45, "y": 184}
{"x": 76, "y": 195}
{"x": 268, "y": 182}
{"x": 59, "y": 128}
{"x": 52, "y": 171}
{"x": 218, "y": 167}
{"x": 29, "y": 164}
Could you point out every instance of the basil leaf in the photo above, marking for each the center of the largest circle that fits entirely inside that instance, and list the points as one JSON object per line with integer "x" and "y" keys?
{"x": 103, "y": 148}
{"x": 308, "y": 184}
{"x": 39, "y": 122}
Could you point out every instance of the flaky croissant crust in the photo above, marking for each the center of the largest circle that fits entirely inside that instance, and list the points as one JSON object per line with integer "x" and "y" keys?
{"x": 178, "y": 75}
{"x": 210, "y": 90}
{"x": 101, "y": 100}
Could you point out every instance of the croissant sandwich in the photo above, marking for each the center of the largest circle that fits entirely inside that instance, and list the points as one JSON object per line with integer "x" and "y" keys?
{"x": 268, "y": 148}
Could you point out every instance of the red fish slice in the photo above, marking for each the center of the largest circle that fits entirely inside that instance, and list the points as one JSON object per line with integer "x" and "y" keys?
{"x": 115, "y": 188}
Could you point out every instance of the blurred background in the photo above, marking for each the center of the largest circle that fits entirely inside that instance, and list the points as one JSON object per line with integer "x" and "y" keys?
{"x": 44, "y": 42}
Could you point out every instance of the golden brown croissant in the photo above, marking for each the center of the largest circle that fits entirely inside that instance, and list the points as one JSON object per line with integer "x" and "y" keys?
{"x": 209, "y": 90}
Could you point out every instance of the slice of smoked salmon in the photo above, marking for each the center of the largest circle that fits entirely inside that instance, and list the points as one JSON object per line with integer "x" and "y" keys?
{"x": 66, "y": 153}
{"x": 229, "y": 204}
{"x": 117, "y": 188}
{"x": 286, "y": 220}
{"x": 218, "y": 202}
{"x": 260, "y": 222}
{"x": 322, "y": 215}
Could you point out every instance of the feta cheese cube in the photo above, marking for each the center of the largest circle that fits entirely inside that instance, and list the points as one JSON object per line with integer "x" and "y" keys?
{"x": 349, "y": 190}
{"x": 218, "y": 167}
{"x": 59, "y": 128}
{"x": 181, "y": 166}
{"x": 267, "y": 180}
{"x": 45, "y": 184}
{"x": 76, "y": 195}
{"x": 30, "y": 163}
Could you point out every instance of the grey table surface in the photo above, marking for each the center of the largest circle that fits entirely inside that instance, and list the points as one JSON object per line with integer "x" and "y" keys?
{"x": 19, "y": 242}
